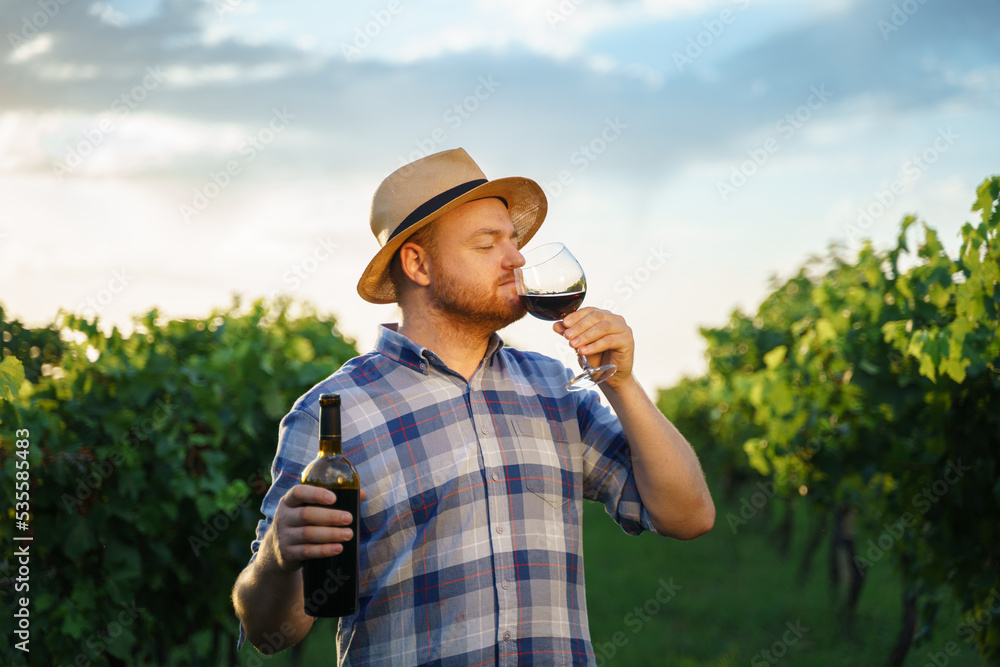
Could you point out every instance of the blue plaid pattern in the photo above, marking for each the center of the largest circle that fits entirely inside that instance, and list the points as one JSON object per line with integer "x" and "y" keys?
{"x": 471, "y": 549}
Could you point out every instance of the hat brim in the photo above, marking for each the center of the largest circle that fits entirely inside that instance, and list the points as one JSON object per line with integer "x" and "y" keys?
{"x": 526, "y": 204}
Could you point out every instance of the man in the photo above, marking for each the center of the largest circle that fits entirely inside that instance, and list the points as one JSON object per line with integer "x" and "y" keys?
{"x": 474, "y": 459}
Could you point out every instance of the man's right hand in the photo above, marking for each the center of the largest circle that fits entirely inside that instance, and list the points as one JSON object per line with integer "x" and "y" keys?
{"x": 301, "y": 531}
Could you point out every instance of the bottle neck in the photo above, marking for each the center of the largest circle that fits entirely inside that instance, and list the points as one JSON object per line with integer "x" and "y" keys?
{"x": 329, "y": 445}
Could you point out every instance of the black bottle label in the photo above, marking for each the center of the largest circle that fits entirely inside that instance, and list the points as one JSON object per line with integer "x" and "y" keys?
{"x": 330, "y": 585}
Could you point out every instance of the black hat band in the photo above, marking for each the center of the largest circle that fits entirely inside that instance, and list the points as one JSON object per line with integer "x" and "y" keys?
{"x": 434, "y": 203}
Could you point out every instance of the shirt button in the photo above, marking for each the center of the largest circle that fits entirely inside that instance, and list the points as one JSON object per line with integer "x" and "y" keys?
{"x": 505, "y": 585}
{"x": 423, "y": 366}
{"x": 496, "y": 475}
{"x": 506, "y": 636}
{"x": 500, "y": 529}
{"x": 484, "y": 430}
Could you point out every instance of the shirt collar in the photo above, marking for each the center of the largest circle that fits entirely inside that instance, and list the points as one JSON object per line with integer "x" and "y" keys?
{"x": 398, "y": 347}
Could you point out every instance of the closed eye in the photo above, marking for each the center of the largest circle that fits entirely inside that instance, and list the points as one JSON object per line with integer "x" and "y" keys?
{"x": 488, "y": 237}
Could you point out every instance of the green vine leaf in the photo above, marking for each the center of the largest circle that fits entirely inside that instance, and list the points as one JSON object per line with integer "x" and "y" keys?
{"x": 11, "y": 377}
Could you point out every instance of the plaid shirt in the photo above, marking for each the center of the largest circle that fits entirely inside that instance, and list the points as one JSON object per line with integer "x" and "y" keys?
{"x": 471, "y": 549}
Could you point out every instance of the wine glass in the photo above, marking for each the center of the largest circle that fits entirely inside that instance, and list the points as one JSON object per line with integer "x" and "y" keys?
{"x": 551, "y": 285}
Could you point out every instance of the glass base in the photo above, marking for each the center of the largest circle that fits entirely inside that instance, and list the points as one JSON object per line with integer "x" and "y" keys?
{"x": 591, "y": 377}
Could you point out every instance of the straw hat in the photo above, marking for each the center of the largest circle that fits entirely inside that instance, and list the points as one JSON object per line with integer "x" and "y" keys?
{"x": 415, "y": 195}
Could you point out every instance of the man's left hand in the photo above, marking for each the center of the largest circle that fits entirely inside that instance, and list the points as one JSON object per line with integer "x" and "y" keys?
{"x": 603, "y": 337}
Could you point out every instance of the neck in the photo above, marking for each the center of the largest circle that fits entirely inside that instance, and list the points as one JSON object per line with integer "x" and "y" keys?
{"x": 460, "y": 344}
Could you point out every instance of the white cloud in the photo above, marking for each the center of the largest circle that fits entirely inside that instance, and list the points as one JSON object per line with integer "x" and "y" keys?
{"x": 107, "y": 144}
{"x": 31, "y": 48}
{"x": 22, "y": 135}
{"x": 558, "y": 86}
{"x": 108, "y": 14}
{"x": 982, "y": 81}
{"x": 67, "y": 72}
{"x": 187, "y": 75}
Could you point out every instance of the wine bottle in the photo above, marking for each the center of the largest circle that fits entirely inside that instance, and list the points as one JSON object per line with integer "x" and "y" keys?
{"x": 330, "y": 584}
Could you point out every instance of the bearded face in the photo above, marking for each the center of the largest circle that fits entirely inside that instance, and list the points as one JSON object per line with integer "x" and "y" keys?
{"x": 473, "y": 301}
{"x": 465, "y": 263}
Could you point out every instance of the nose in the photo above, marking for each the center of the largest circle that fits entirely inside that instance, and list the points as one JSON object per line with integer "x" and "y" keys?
{"x": 519, "y": 261}
{"x": 514, "y": 258}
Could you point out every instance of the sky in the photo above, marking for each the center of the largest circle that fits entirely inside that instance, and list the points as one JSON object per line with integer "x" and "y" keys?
{"x": 174, "y": 153}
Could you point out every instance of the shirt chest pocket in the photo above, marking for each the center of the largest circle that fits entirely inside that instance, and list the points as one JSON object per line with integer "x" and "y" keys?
{"x": 547, "y": 469}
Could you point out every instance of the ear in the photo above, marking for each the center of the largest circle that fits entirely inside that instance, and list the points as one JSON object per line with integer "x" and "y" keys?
{"x": 416, "y": 263}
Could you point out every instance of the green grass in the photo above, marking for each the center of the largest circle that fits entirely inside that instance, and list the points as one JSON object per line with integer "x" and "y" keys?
{"x": 736, "y": 599}
{"x": 733, "y": 597}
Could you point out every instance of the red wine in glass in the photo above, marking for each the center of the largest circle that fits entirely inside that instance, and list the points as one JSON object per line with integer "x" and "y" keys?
{"x": 551, "y": 285}
{"x": 552, "y": 306}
